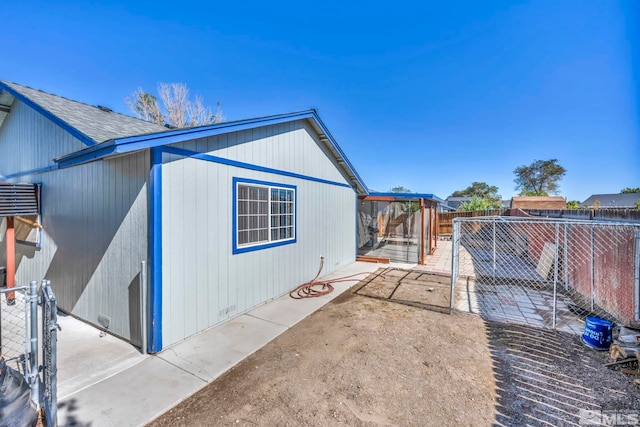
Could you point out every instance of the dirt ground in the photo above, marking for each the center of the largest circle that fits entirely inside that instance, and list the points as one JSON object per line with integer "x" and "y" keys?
{"x": 367, "y": 359}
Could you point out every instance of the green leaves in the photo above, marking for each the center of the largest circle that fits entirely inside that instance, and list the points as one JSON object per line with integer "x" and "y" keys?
{"x": 539, "y": 178}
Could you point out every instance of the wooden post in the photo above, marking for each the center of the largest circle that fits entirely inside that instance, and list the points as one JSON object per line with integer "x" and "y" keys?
{"x": 422, "y": 231}
{"x": 11, "y": 259}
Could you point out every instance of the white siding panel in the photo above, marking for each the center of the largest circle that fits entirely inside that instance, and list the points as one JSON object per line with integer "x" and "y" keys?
{"x": 231, "y": 284}
{"x": 292, "y": 146}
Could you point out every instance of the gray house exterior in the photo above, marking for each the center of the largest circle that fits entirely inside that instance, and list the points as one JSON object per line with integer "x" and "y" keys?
{"x": 226, "y": 216}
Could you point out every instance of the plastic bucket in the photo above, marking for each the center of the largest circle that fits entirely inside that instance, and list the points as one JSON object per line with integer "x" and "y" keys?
{"x": 597, "y": 333}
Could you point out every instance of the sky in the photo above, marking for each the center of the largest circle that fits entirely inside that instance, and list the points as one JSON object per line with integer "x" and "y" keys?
{"x": 426, "y": 95}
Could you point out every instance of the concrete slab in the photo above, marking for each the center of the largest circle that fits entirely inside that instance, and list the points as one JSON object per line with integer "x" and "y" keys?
{"x": 104, "y": 381}
{"x": 85, "y": 358}
{"x": 131, "y": 398}
{"x": 209, "y": 354}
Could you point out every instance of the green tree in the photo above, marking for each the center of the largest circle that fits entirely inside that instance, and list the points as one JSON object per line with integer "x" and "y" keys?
{"x": 539, "y": 178}
{"x": 573, "y": 204}
{"x": 629, "y": 190}
{"x": 399, "y": 189}
{"x": 483, "y": 195}
{"x": 479, "y": 204}
{"x": 478, "y": 189}
{"x": 638, "y": 204}
{"x": 596, "y": 204}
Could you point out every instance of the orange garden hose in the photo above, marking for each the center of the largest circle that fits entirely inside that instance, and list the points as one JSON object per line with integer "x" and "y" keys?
{"x": 315, "y": 288}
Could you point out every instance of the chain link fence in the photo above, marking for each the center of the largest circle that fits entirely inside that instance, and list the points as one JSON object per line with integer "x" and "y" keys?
{"x": 13, "y": 318}
{"x": 20, "y": 342}
{"x": 546, "y": 273}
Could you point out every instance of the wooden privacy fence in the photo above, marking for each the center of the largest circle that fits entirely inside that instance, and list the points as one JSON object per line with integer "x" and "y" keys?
{"x": 445, "y": 226}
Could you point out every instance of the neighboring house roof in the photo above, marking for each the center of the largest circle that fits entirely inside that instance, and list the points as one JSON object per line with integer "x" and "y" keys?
{"x": 626, "y": 200}
{"x": 538, "y": 202}
{"x": 455, "y": 202}
{"x": 91, "y": 124}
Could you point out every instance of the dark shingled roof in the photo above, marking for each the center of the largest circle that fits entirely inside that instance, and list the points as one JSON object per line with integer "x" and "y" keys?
{"x": 97, "y": 124}
{"x": 627, "y": 200}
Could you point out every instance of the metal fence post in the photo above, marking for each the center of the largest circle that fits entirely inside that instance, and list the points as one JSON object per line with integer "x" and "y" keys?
{"x": 555, "y": 279}
{"x": 565, "y": 264}
{"x": 455, "y": 254}
{"x": 592, "y": 268}
{"x": 637, "y": 284}
{"x": 143, "y": 305}
{"x": 32, "y": 330}
{"x": 494, "y": 251}
{"x": 49, "y": 354}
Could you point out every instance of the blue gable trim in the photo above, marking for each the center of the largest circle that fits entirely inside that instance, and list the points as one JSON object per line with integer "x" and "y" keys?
{"x": 49, "y": 115}
{"x": 140, "y": 142}
{"x": 222, "y": 160}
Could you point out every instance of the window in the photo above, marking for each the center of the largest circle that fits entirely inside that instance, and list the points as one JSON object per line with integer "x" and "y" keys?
{"x": 264, "y": 215}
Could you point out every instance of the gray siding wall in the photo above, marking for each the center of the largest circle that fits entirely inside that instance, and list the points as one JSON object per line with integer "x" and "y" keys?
{"x": 28, "y": 140}
{"x": 203, "y": 282}
{"x": 95, "y": 223}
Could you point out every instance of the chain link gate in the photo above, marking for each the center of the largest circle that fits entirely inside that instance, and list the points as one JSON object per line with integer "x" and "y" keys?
{"x": 19, "y": 341}
{"x": 546, "y": 273}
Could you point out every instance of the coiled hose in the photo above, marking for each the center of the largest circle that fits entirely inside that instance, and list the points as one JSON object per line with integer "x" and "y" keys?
{"x": 315, "y": 288}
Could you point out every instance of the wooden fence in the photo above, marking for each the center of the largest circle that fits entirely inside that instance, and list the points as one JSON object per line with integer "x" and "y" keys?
{"x": 445, "y": 219}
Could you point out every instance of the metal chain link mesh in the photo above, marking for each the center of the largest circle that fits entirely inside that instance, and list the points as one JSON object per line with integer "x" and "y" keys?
{"x": 545, "y": 273}
{"x": 12, "y": 324}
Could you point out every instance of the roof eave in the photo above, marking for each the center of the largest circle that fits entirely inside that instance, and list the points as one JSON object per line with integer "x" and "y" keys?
{"x": 141, "y": 142}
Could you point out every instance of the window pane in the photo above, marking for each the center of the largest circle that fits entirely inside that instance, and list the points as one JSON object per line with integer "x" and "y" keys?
{"x": 243, "y": 237}
{"x": 242, "y": 208}
{"x": 262, "y": 194}
{"x": 274, "y": 194}
{"x": 242, "y": 223}
{"x": 243, "y": 192}
{"x": 264, "y": 235}
{"x": 274, "y": 208}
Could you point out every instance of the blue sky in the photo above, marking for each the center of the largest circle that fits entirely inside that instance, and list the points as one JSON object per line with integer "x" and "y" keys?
{"x": 427, "y": 95}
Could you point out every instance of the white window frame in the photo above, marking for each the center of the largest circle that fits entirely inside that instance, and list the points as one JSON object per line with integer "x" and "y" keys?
{"x": 270, "y": 240}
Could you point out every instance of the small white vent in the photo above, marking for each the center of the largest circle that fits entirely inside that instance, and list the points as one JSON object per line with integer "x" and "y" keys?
{"x": 226, "y": 311}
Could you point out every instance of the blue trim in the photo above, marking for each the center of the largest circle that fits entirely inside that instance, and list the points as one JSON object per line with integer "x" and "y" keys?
{"x": 234, "y": 210}
{"x": 49, "y": 115}
{"x": 141, "y": 142}
{"x": 221, "y": 160}
{"x": 32, "y": 171}
{"x": 155, "y": 248}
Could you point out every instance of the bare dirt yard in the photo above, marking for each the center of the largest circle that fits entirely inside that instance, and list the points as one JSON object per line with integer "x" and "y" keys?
{"x": 374, "y": 358}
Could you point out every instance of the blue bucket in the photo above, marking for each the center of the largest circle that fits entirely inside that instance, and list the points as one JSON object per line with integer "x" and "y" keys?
{"x": 597, "y": 333}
